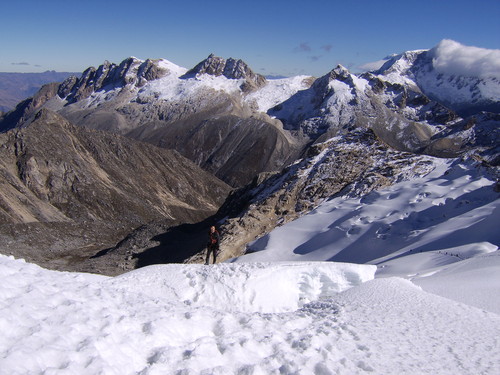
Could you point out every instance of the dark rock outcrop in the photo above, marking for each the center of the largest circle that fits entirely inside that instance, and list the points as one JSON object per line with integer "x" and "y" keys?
{"x": 25, "y": 109}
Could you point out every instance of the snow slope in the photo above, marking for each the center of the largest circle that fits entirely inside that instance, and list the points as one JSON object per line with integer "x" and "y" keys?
{"x": 193, "y": 319}
{"x": 441, "y": 231}
{"x": 454, "y": 205}
{"x": 276, "y": 91}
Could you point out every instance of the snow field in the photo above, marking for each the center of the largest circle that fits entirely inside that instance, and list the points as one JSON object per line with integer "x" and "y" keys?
{"x": 169, "y": 316}
{"x": 473, "y": 281}
{"x": 259, "y": 287}
{"x": 421, "y": 332}
{"x": 277, "y": 91}
{"x": 185, "y": 319}
{"x": 172, "y": 88}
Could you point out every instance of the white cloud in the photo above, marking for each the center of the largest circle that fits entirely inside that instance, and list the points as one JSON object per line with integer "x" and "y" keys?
{"x": 370, "y": 66}
{"x": 454, "y": 58}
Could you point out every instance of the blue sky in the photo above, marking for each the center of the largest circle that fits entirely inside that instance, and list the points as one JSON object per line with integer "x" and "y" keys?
{"x": 273, "y": 37}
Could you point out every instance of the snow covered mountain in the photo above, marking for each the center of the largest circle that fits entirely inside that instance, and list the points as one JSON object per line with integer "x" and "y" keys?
{"x": 420, "y": 233}
{"x": 446, "y": 209}
{"x": 235, "y": 124}
{"x": 465, "y": 79}
{"x": 198, "y": 112}
{"x": 408, "y": 103}
{"x": 353, "y": 167}
{"x": 348, "y": 165}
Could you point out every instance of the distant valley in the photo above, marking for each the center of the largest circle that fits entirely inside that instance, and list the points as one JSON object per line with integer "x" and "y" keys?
{"x": 15, "y": 87}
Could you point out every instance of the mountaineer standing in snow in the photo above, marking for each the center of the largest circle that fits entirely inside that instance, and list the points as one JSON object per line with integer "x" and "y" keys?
{"x": 213, "y": 244}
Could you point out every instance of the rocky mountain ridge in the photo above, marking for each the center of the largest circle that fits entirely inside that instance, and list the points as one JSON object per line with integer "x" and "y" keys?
{"x": 464, "y": 94}
{"x": 108, "y": 76}
{"x": 140, "y": 99}
{"x": 350, "y": 165}
{"x": 199, "y": 113}
{"x": 159, "y": 102}
{"x": 399, "y": 113}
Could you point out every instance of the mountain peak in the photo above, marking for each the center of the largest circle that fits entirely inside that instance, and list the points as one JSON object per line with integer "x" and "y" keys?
{"x": 213, "y": 65}
{"x": 131, "y": 71}
{"x": 463, "y": 78}
{"x": 339, "y": 73}
{"x": 231, "y": 69}
{"x": 341, "y": 70}
{"x": 400, "y": 63}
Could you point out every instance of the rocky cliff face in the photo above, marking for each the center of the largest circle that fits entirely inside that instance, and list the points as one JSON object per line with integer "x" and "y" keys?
{"x": 130, "y": 71}
{"x": 59, "y": 180}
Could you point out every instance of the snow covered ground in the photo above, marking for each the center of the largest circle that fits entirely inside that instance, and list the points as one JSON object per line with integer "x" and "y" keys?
{"x": 427, "y": 304}
{"x": 254, "y": 318}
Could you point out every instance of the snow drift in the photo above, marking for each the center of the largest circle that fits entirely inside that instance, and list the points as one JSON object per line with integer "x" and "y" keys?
{"x": 250, "y": 287}
{"x": 186, "y": 319}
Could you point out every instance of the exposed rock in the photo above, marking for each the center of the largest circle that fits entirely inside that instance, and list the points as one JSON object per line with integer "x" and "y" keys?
{"x": 230, "y": 68}
{"x": 477, "y": 135}
{"x": 131, "y": 71}
{"x": 16, "y": 87}
{"x": 232, "y": 148}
